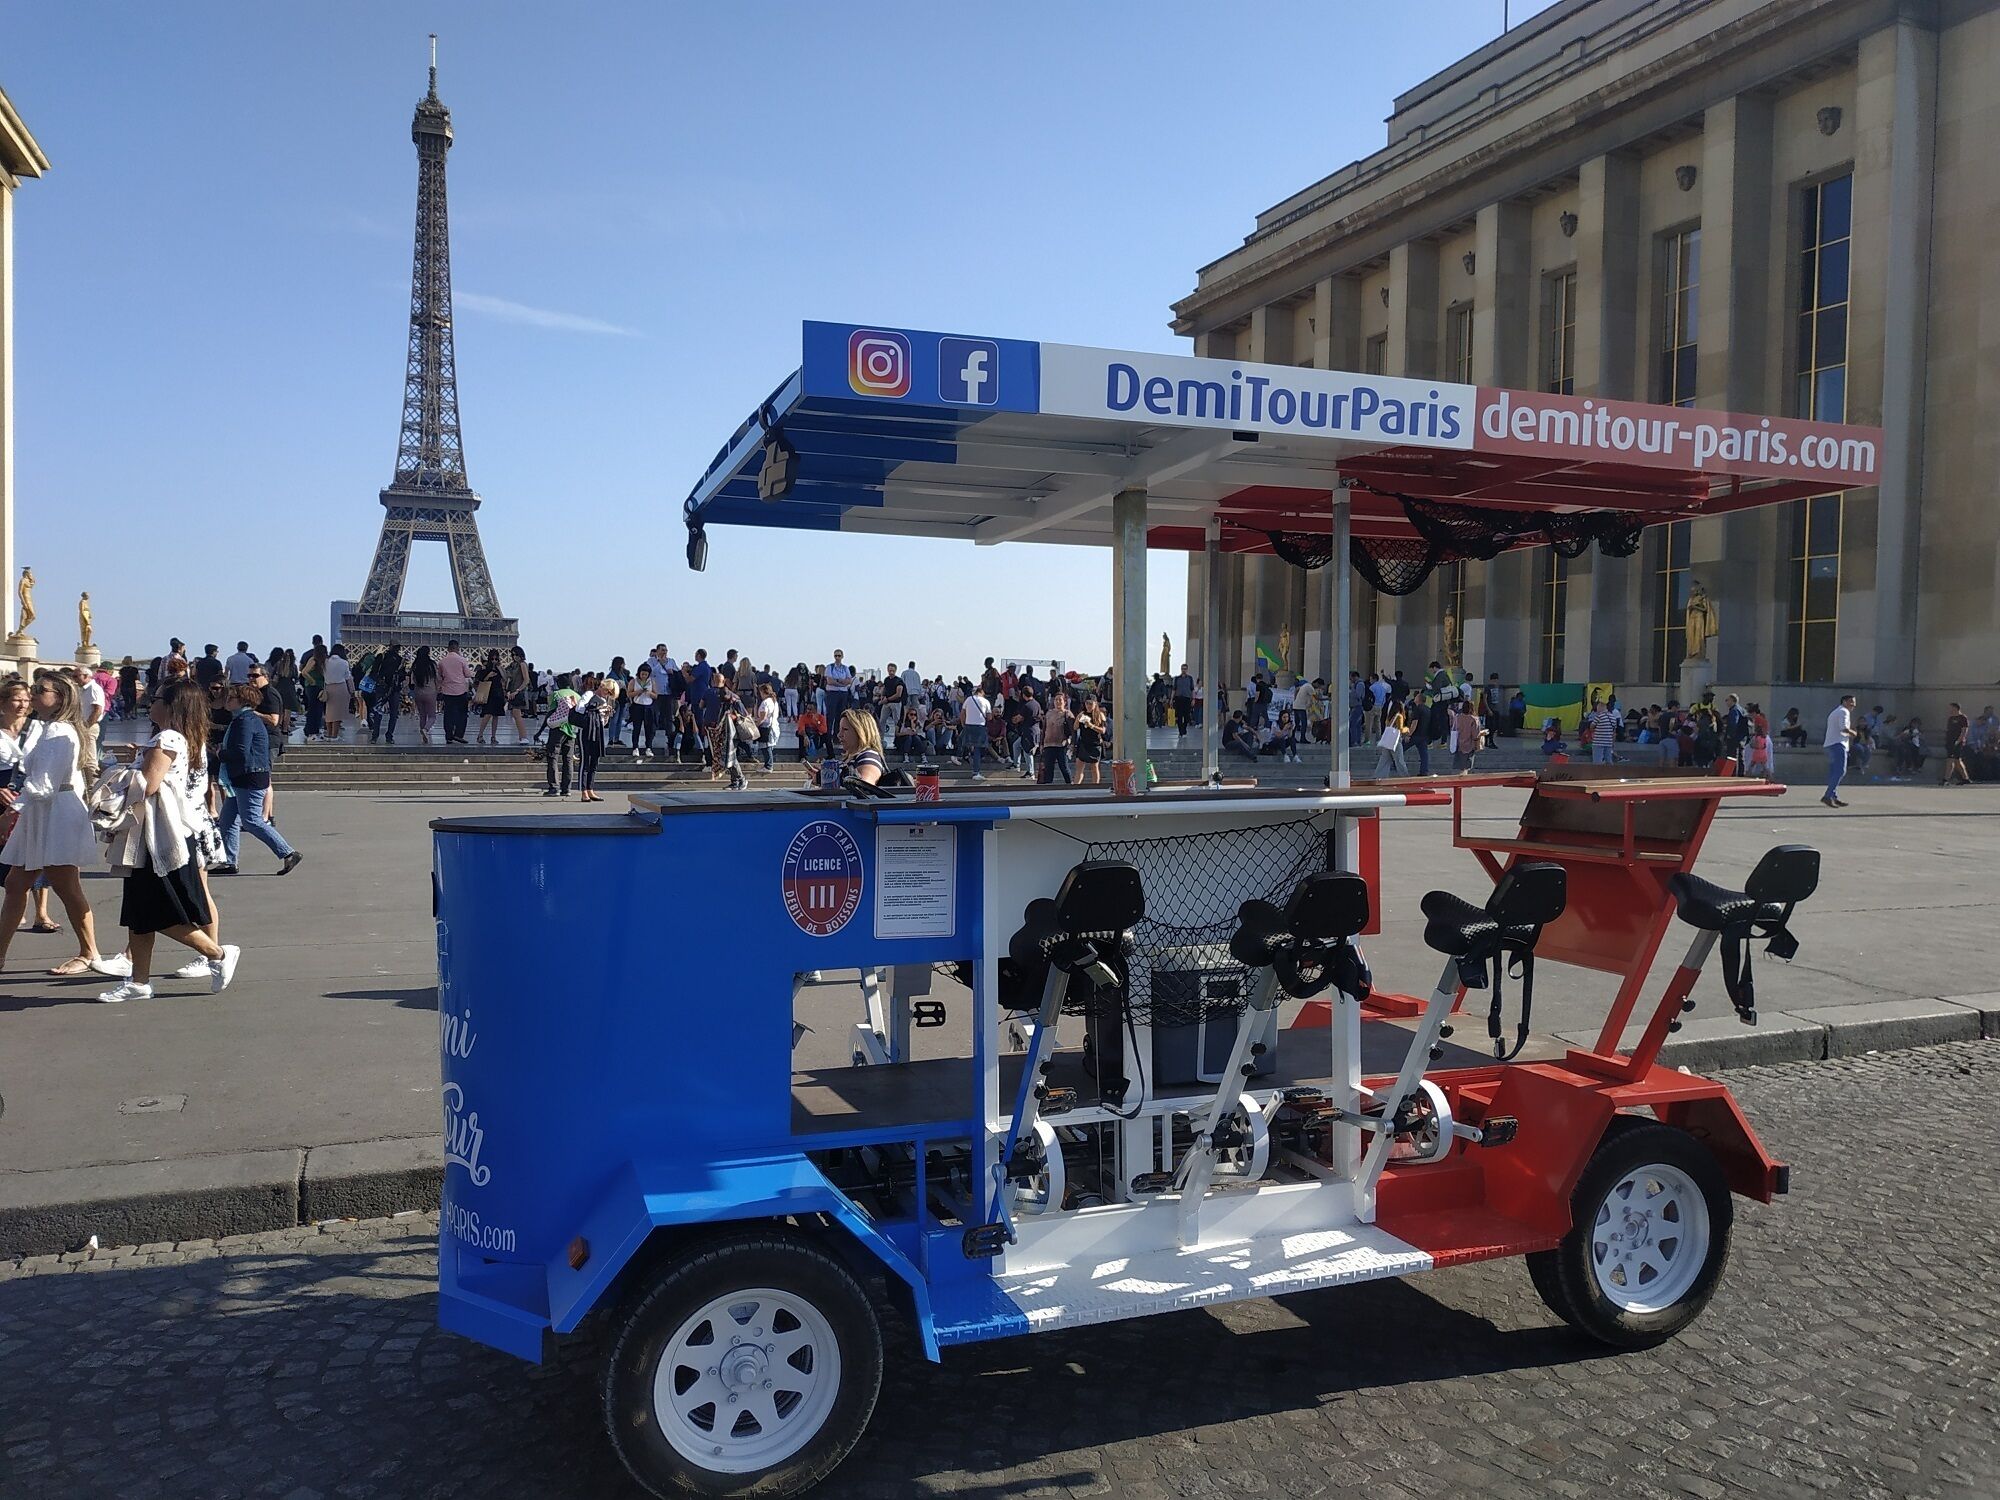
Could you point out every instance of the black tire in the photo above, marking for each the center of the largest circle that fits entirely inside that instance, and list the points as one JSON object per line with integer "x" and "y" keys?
{"x": 1567, "y": 1277}
{"x": 762, "y": 1257}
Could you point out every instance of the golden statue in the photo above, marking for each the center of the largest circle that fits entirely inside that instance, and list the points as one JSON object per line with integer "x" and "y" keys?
{"x": 1166, "y": 656}
{"x": 1451, "y": 642}
{"x": 83, "y": 624}
{"x": 24, "y": 592}
{"x": 1284, "y": 648}
{"x": 1701, "y": 622}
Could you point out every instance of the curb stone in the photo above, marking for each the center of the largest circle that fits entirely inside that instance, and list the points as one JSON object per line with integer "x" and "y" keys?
{"x": 212, "y": 1198}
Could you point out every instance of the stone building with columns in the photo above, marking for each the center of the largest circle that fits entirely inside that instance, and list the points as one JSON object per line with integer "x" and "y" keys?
{"x": 20, "y": 158}
{"x": 1780, "y": 207}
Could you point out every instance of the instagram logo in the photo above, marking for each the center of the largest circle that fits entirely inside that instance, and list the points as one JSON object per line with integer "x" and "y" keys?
{"x": 878, "y": 364}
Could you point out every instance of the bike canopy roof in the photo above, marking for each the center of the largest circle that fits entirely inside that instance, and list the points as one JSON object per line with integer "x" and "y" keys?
{"x": 910, "y": 433}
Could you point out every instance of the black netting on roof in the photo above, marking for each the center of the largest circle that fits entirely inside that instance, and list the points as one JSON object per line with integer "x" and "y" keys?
{"x": 1180, "y": 967}
{"x": 1455, "y": 533}
{"x": 1302, "y": 549}
{"x": 1393, "y": 565}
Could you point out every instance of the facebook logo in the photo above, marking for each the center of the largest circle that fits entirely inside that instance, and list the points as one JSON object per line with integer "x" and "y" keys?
{"x": 969, "y": 372}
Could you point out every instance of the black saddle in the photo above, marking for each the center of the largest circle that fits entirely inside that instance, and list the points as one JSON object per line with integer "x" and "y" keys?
{"x": 1499, "y": 937}
{"x": 1784, "y": 877}
{"x": 1089, "y": 921}
{"x": 1309, "y": 941}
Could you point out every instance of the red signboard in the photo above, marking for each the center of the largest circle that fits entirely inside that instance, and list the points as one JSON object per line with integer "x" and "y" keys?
{"x": 1683, "y": 438}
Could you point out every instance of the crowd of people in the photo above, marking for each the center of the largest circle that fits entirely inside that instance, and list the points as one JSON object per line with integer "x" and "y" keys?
{"x": 730, "y": 715}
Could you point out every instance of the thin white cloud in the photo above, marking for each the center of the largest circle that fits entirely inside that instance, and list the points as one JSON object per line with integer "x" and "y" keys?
{"x": 509, "y": 311}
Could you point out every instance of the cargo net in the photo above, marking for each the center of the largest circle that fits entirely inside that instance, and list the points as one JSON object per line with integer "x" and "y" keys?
{"x": 1458, "y": 533}
{"x": 1180, "y": 968}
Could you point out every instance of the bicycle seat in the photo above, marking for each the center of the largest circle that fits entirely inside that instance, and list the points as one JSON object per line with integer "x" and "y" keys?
{"x": 1090, "y": 918}
{"x": 1503, "y": 931}
{"x": 1308, "y": 941}
{"x": 1526, "y": 900}
{"x": 1784, "y": 877}
{"x": 1456, "y": 926}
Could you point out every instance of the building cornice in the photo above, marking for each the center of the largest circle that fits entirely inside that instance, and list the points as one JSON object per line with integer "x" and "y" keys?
{"x": 20, "y": 156}
{"x": 1671, "y": 90}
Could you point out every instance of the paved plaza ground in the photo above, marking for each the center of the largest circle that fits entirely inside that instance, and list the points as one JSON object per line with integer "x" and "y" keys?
{"x": 318, "y": 1068}
{"x": 1853, "y": 1350}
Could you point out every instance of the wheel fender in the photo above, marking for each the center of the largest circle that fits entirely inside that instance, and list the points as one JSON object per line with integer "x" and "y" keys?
{"x": 650, "y": 1196}
{"x": 1715, "y": 1121}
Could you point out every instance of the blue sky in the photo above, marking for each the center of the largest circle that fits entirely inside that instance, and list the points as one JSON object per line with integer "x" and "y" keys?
{"x": 646, "y": 200}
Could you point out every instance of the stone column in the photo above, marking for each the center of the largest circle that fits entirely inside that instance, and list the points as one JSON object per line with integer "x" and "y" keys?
{"x": 1503, "y": 278}
{"x": 1607, "y": 287}
{"x": 1740, "y": 558}
{"x": 1895, "y": 108}
{"x": 1413, "y": 309}
{"x": 1608, "y": 252}
{"x": 1337, "y": 323}
{"x": 1499, "y": 595}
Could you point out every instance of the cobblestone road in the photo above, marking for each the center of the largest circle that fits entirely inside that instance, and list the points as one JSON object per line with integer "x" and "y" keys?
{"x": 1854, "y": 1350}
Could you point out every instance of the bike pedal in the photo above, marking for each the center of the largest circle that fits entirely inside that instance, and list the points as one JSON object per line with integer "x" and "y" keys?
{"x": 1056, "y": 1101}
{"x": 1153, "y": 1182}
{"x": 984, "y": 1241}
{"x": 1498, "y": 1130}
{"x": 1303, "y": 1095}
{"x": 927, "y": 1013}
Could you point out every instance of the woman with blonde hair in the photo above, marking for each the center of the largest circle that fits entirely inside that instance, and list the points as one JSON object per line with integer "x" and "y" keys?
{"x": 860, "y": 749}
{"x": 52, "y": 836}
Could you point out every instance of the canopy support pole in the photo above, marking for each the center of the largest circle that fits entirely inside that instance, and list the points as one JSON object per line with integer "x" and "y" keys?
{"x": 1342, "y": 584}
{"x": 1128, "y": 627}
{"x": 1207, "y": 673}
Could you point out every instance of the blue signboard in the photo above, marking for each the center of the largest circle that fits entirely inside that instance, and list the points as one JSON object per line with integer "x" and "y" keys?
{"x": 908, "y": 366}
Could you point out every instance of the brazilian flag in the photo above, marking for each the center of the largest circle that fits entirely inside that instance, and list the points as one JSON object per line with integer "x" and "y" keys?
{"x": 1267, "y": 658}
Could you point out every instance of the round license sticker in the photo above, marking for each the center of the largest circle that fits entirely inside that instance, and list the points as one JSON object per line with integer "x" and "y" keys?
{"x": 822, "y": 878}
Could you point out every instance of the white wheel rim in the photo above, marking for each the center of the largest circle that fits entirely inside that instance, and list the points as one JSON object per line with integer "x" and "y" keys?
{"x": 1650, "y": 1238}
{"x": 747, "y": 1381}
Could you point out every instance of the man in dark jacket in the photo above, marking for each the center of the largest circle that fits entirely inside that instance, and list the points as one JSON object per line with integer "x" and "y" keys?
{"x": 246, "y": 768}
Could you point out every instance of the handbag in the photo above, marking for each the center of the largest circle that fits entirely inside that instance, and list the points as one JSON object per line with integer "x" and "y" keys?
{"x": 1392, "y": 738}
{"x": 481, "y": 690}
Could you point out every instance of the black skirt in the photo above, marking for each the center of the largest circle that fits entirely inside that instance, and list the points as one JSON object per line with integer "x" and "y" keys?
{"x": 154, "y": 903}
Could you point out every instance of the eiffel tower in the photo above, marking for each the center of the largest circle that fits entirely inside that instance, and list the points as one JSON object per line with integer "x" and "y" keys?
{"x": 430, "y": 500}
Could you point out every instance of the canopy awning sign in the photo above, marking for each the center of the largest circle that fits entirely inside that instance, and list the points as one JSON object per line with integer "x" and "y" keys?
{"x": 907, "y": 432}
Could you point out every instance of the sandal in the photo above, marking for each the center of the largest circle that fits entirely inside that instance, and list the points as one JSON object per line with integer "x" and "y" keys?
{"x": 71, "y": 968}
{"x": 39, "y": 927}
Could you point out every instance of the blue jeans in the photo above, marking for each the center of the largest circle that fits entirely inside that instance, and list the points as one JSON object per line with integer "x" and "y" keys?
{"x": 1423, "y": 753}
{"x": 767, "y": 748}
{"x": 1836, "y": 767}
{"x": 973, "y": 743}
{"x": 244, "y": 808}
{"x": 1600, "y": 754}
{"x": 1355, "y": 719}
{"x": 1053, "y": 759}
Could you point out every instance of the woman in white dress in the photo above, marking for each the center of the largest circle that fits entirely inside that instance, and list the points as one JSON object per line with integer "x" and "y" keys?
{"x": 18, "y": 729}
{"x": 52, "y": 835}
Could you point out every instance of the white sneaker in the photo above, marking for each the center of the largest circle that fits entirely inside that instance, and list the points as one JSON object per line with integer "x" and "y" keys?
{"x": 222, "y": 970}
{"x": 112, "y": 966}
{"x": 194, "y": 968}
{"x": 127, "y": 991}
{"x": 976, "y": 776}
